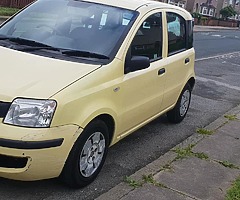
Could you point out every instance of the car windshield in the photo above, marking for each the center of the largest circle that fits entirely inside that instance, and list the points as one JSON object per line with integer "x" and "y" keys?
{"x": 71, "y": 25}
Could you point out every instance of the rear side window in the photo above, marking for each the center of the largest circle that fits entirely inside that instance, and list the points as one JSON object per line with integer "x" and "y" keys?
{"x": 176, "y": 33}
{"x": 148, "y": 40}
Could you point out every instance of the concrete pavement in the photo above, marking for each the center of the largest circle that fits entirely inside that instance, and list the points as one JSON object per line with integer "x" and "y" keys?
{"x": 202, "y": 167}
{"x": 3, "y": 18}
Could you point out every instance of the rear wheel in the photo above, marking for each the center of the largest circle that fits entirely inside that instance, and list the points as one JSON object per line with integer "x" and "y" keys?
{"x": 178, "y": 113}
{"x": 87, "y": 155}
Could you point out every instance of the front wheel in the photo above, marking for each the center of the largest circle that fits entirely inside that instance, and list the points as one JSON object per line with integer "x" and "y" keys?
{"x": 177, "y": 114}
{"x": 87, "y": 155}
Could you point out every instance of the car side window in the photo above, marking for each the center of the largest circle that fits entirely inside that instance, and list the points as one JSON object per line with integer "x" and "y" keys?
{"x": 148, "y": 40}
{"x": 176, "y": 33}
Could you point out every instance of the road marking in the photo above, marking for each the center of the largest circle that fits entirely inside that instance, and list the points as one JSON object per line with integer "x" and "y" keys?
{"x": 218, "y": 36}
{"x": 217, "y": 56}
{"x": 218, "y": 83}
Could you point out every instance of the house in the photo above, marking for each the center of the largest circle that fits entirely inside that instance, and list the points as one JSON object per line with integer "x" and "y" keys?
{"x": 206, "y": 8}
{"x": 180, "y": 3}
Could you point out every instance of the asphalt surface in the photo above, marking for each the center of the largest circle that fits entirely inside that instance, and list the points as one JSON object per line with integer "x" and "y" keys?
{"x": 217, "y": 91}
{"x": 216, "y": 42}
{"x": 198, "y": 175}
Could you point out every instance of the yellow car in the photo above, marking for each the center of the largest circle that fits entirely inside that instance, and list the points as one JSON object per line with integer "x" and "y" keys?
{"x": 78, "y": 76}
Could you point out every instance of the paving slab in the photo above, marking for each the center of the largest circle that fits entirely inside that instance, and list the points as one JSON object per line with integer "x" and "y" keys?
{"x": 151, "y": 192}
{"x": 224, "y": 145}
{"x": 232, "y": 128}
{"x": 122, "y": 189}
{"x": 201, "y": 179}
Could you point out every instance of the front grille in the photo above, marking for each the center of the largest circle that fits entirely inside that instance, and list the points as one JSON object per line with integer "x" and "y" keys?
{"x": 12, "y": 162}
{"x": 4, "y": 106}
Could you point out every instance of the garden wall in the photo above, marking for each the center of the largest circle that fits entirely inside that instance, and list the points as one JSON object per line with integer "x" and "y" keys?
{"x": 216, "y": 22}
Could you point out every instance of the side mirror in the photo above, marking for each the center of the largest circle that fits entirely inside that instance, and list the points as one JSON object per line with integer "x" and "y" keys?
{"x": 137, "y": 63}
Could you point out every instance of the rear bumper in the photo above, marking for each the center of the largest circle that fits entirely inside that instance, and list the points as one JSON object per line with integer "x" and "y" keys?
{"x": 33, "y": 154}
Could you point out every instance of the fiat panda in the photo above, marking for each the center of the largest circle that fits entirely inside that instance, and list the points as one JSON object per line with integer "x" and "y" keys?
{"x": 78, "y": 76}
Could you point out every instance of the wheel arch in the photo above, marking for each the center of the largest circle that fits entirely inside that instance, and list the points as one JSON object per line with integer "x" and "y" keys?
{"x": 191, "y": 82}
{"x": 110, "y": 123}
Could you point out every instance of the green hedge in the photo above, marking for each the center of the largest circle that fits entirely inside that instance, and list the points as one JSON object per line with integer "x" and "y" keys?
{"x": 7, "y": 11}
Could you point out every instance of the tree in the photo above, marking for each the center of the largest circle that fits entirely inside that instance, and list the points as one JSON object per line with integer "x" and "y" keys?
{"x": 234, "y": 3}
{"x": 228, "y": 12}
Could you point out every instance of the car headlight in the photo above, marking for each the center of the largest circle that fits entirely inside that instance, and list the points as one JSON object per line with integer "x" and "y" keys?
{"x": 31, "y": 112}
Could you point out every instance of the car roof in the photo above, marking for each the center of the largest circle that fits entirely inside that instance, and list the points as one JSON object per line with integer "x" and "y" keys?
{"x": 132, "y": 4}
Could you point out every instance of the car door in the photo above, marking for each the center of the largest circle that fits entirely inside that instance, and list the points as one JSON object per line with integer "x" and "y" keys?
{"x": 142, "y": 90}
{"x": 180, "y": 58}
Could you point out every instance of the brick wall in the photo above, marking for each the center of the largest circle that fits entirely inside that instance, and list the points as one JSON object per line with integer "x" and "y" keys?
{"x": 15, "y": 3}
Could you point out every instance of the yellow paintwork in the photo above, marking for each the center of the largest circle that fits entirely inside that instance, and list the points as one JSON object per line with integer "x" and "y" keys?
{"x": 34, "y": 74}
{"x": 132, "y": 100}
{"x": 43, "y": 163}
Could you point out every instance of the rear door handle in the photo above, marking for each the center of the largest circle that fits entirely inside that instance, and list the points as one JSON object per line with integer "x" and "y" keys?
{"x": 187, "y": 60}
{"x": 161, "y": 71}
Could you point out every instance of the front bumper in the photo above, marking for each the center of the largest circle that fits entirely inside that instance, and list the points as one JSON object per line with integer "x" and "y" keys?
{"x": 33, "y": 154}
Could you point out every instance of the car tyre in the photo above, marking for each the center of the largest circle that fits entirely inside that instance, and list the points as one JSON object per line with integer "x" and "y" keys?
{"x": 87, "y": 155}
{"x": 178, "y": 113}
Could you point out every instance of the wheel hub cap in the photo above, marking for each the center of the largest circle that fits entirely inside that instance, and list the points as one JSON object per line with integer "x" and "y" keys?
{"x": 184, "y": 103}
{"x": 92, "y": 154}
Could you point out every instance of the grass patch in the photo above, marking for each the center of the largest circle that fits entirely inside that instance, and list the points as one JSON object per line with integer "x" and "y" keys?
{"x": 228, "y": 165}
{"x": 145, "y": 179}
{"x": 203, "y": 131}
{"x": 187, "y": 152}
{"x": 234, "y": 192}
{"x": 149, "y": 179}
{"x": 231, "y": 117}
{"x": 4, "y": 11}
{"x": 202, "y": 156}
{"x": 131, "y": 182}
{"x": 183, "y": 153}
{"x": 166, "y": 167}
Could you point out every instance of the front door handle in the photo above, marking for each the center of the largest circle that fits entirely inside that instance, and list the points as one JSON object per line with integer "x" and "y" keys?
{"x": 187, "y": 60}
{"x": 161, "y": 71}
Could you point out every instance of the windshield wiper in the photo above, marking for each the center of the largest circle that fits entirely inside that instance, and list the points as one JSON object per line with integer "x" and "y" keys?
{"x": 34, "y": 45}
{"x": 86, "y": 54}
{"x": 3, "y": 37}
{"x": 31, "y": 45}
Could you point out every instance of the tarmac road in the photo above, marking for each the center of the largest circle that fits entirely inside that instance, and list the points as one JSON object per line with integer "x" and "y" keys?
{"x": 217, "y": 91}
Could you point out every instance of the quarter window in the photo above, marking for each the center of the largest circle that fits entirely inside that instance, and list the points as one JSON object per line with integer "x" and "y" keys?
{"x": 148, "y": 40}
{"x": 176, "y": 33}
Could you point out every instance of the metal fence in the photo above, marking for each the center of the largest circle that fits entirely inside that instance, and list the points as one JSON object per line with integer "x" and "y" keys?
{"x": 15, "y": 3}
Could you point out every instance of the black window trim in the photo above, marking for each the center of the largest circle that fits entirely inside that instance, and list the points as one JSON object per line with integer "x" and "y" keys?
{"x": 186, "y": 36}
{"x": 189, "y": 30}
{"x": 156, "y": 59}
{"x": 176, "y": 52}
{"x": 160, "y": 57}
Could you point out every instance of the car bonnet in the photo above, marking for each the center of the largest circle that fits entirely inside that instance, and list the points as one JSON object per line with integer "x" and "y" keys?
{"x": 33, "y": 76}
